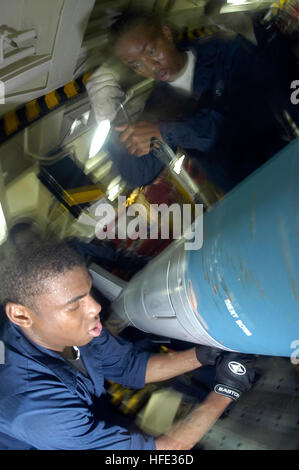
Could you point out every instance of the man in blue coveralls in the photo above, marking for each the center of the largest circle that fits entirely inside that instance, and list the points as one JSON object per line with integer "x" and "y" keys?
{"x": 212, "y": 97}
{"x": 57, "y": 356}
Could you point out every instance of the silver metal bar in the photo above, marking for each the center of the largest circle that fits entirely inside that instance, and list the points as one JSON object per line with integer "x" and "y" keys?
{"x": 16, "y": 56}
{"x": 22, "y": 37}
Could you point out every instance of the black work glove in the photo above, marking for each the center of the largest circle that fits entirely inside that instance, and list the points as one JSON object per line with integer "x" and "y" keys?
{"x": 234, "y": 374}
{"x": 207, "y": 355}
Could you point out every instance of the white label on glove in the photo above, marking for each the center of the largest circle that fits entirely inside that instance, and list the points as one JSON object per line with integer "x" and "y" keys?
{"x": 227, "y": 391}
{"x": 236, "y": 368}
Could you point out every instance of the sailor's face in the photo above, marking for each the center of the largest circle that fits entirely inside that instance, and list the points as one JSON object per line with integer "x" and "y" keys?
{"x": 150, "y": 52}
{"x": 67, "y": 315}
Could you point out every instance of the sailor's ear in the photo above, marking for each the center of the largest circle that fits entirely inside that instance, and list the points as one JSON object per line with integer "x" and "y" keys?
{"x": 19, "y": 314}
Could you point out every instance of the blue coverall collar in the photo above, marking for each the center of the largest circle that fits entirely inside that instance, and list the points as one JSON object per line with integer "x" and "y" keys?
{"x": 19, "y": 342}
{"x": 206, "y": 52}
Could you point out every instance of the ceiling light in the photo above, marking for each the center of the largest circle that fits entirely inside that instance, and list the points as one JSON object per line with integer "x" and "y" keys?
{"x": 99, "y": 137}
{"x": 237, "y": 2}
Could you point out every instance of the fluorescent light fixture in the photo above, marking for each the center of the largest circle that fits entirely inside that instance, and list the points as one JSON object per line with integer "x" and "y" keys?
{"x": 237, "y": 2}
{"x": 3, "y": 226}
{"x": 99, "y": 137}
{"x": 178, "y": 165}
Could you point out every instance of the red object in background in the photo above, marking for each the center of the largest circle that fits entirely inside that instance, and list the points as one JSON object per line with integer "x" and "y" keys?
{"x": 287, "y": 19}
{"x": 161, "y": 191}
{"x": 193, "y": 169}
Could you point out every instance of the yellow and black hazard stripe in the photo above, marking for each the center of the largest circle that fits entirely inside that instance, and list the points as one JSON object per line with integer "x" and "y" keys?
{"x": 17, "y": 120}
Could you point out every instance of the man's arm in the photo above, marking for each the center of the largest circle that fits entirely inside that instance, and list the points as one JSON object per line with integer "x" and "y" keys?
{"x": 135, "y": 171}
{"x": 186, "y": 433}
{"x": 166, "y": 366}
{"x": 234, "y": 375}
{"x": 198, "y": 132}
{"x": 104, "y": 93}
{"x": 137, "y": 137}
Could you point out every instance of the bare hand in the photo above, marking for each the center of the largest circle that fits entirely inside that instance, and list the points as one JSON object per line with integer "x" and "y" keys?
{"x": 137, "y": 137}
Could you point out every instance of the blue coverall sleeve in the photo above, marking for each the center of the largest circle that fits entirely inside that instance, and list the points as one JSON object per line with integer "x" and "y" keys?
{"x": 136, "y": 171}
{"x": 54, "y": 419}
{"x": 121, "y": 362}
{"x": 199, "y": 132}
